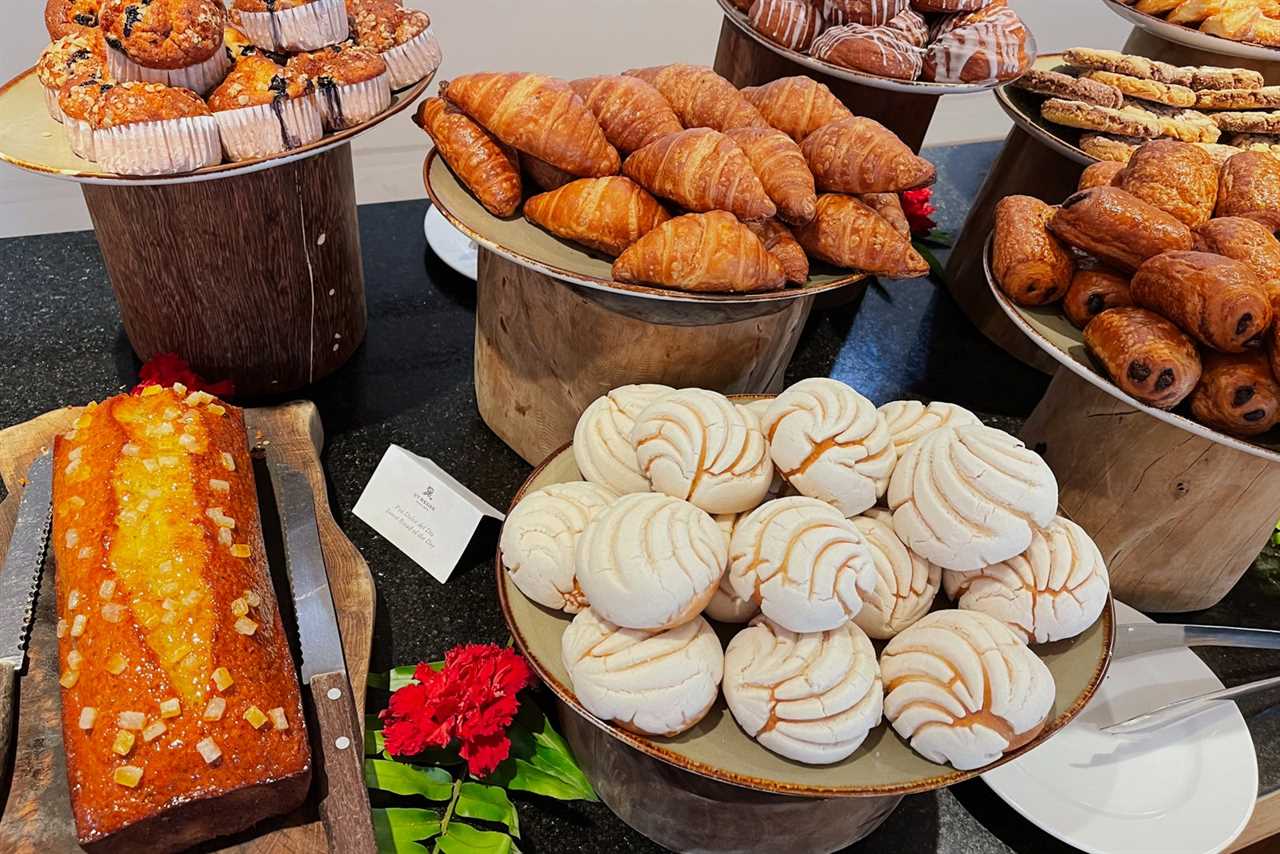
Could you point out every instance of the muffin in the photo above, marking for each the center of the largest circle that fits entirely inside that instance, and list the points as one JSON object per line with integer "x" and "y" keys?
{"x": 402, "y": 36}
{"x": 81, "y": 54}
{"x": 174, "y": 42}
{"x": 153, "y": 129}
{"x": 64, "y": 17}
{"x": 292, "y": 25}
{"x": 263, "y": 108}
{"x": 77, "y": 100}
{"x": 352, "y": 83}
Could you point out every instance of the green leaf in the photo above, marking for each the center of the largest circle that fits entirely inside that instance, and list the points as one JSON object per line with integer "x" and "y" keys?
{"x": 540, "y": 761}
{"x": 936, "y": 270}
{"x": 462, "y": 838}
{"x": 399, "y": 829}
{"x": 487, "y": 803}
{"x": 434, "y": 784}
{"x": 397, "y": 677}
{"x": 375, "y": 741}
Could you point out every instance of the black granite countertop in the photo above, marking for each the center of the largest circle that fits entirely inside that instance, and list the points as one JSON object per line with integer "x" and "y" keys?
{"x": 61, "y": 342}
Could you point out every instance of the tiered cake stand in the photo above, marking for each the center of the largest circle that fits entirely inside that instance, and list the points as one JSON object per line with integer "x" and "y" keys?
{"x": 250, "y": 270}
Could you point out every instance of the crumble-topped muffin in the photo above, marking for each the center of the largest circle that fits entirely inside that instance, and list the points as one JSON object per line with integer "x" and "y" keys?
{"x": 153, "y": 129}
{"x": 80, "y": 54}
{"x": 176, "y": 42}
{"x": 263, "y": 108}
{"x": 64, "y": 17}
{"x": 352, "y": 83}
{"x": 77, "y": 100}
{"x": 402, "y": 36}
{"x": 292, "y": 25}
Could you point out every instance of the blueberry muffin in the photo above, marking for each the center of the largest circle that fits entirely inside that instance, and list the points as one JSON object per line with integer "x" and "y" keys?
{"x": 64, "y": 17}
{"x": 352, "y": 83}
{"x": 80, "y": 54}
{"x": 152, "y": 129}
{"x": 263, "y": 108}
{"x": 402, "y": 36}
{"x": 175, "y": 42}
{"x": 77, "y": 100}
{"x": 292, "y": 25}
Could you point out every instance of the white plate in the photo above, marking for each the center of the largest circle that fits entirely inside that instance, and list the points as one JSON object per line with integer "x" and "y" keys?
{"x": 1187, "y": 788}
{"x": 450, "y": 245}
{"x": 1192, "y": 37}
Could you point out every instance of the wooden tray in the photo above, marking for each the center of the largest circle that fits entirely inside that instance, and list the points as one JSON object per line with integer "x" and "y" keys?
{"x": 37, "y": 815}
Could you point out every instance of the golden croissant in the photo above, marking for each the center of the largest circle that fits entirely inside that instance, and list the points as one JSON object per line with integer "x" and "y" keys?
{"x": 538, "y": 115}
{"x": 847, "y": 233}
{"x": 781, "y": 244}
{"x": 701, "y": 252}
{"x": 781, "y": 168}
{"x": 797, "y": 106}
{"x": 860, "y": 155}
{"x": 889, "y": 206}
{"x": 484, "y": 165}
{"x": 608, "y": 214}
{"x": 631, "y": 112}
{"x": 700, "y": 97}
{"x": 701, "y": 170}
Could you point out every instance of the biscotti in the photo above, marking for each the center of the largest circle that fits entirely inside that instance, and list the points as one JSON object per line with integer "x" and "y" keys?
{"x": 181, "y": 712}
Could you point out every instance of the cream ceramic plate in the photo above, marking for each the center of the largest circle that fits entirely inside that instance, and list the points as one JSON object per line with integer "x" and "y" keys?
{"x": 1023, "y": 108}
{"x": 1188, "y": 788}
{"x": 1190, "y": 36}
{"x": 1050, "y": 330}
{"x": 717, "y": 748}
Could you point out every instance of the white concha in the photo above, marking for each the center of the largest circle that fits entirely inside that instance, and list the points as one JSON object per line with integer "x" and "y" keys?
{"x": 964, "y": 689}
{"x": 726, "y": 606}
{"x": 830, "y": 443}
{"x": 909, "y": 420}
{"x": 967, "y": 497}
{"x": 540, "y": 539}
{"x": 758, "y": 408}
{"x": 602, "y": 438}
{"x": 650, "y": 561}
{"x": 809, "y": 697}
{"x": 700, "y": 446}
{"x": 655, "y": 682}
{"x": 905, "y": 585}
{"x": 803, "y": 562}
{"x": 1052, "y": 591}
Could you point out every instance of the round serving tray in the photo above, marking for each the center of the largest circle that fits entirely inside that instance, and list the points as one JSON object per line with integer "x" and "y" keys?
{"x": 1050, "y": 330}
{"x": 915, "y": 87}
{"x": 1023, "y": 108}
{"x": 1190, "y": 36}
{"x": 31, "y": 140}
{"x": 717, "y": 748}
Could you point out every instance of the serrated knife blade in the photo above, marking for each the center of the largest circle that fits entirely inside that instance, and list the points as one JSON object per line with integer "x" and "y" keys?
{"x": 20, "y": 575}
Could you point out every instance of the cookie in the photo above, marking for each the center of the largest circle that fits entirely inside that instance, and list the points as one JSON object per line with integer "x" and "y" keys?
{"x": 1220, "y": 152}
{"x": 1110, "y": 60}
{"x": 1148, "y": 90}
{"x": 1266, "y": 98}
{"x": 1250, "y": 140}
{"x": 1055, "y": 84}
{"x": 1178, "y": 122}
{"x": 1125, "y": 121}
{"x": 1179, "y": 75}
{"x": 1213, "y": 77}
{"x": 1248, "y": 122}
{"x": 1101, "y": 146}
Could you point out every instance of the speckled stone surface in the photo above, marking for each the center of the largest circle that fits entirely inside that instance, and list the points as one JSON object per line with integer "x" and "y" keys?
{"x": 61, "y": 342}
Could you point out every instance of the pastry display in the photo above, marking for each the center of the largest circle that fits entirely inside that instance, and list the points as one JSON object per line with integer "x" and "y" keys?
{"x": 889, "y": 206}
{"x": 1214, "y": 299}
{"x": 701, "y": 170}
{"x": 264, "y": 109}
{"x": 76, "y": 102}
{"x": 709, "y": 252}
{"x": 292, "y": 25}
{"x": 991, "y": 43}
{"x": 1237, "y": 393}
{"x": 847, "y": 233}
{"x": 1147, "y": 356}
{"x": 1030, "y": 265}
{"x": 487, "y": 167}
{"x": 402, "y": 37}
{"x": 1249, "y": 186}
{"x": 782, "y": 245}
{"x": 797, "y": 106}
{"x": 906, "y": 584}
{"x": 1093, "y": 290}
{"x": 602, "y": 438}
{"x": 700, "y": 97}
{"x": 860, "y": 155}
{"x": 352, "y": 83}
{"x": 726, "y": 606}
{"x": 1117, "y": 227}
{"x": 75, "y": 56}
{"x": 1249, "y": 21}
{"x": 606, "y": 214}
{"x": 1066, "y": 87}
{"x": 153, "y": 129}
{"x": 783, "y": 171}
{"x": 908, "y": 421}
{"x": 1248, "y": 241}
{"x": 1176, "y": 177}
{"x": 790, "y": 23}
{"x": 631, "y": 112}
{"x": 175, "y": 42}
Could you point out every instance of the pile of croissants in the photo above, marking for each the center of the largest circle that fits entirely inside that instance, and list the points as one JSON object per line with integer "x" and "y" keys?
{"x": 1170, "y": 265}
{"x": 686, "y": 181}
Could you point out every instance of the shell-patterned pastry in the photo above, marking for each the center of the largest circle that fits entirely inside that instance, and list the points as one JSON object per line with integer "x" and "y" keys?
{"x": 700, "y": 446}
{"x": 829, "y": 442}
{"x": 906, "y": 584}
{"x": 540, "y": 539}
{"x": 809, "y": 697}
{"x": 650, "y": 561}
{"x": 726, "y": 605}
{"x": 602, "y": 438}
{"x": 909, "y": 420}
{"x": 656, "y": 682}
{"x": 758, "y": 408}
{"x": 966, "y": 497}
{"x": 963, "y": 688}
{"x": 803, "y": 562}
{"x": 1052, "y": 591}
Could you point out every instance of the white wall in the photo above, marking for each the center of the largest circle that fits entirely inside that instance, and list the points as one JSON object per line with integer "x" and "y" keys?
{"x": 569, "y": 38}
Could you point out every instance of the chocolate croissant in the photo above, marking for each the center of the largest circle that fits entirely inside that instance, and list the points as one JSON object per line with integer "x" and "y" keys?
{"x": 700, "y": 97}
{"x": 1249, "y": 241}
{"x": 484, "y": 165}
{"x": 543, "y": 175}
{"x": 1030, "y": 265}
{"x": 889, "y": 206}
{"x": 781, "y": 244}
{"x": 608, "y": 214}
{"x": 1099, "y": 174}
{"x": 781, "y": 168}
{"x": 1249, "y": 186}
{"x": 631, "y": 112}
{"x": 1214, "y": 299}
{"x": 710, "y": 252}
{"x": 847, "y": 233}
{"x": 1145, "y": 355}
{"x": 701, "y": 170}
{"x": 1237, "y": 393}
{"x": 1177, "y": 177}
{"x": 1117, "y": 228}
{"x": 860, "y": 155}
{"x": 1093, "y": 290}
{"x": 797, "y": 106}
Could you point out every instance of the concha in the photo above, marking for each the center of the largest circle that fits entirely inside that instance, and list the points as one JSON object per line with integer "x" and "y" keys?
{"x": 1054, "y": 590}
{"x": 540, "y": 539}
{"x": 967, "y": 497}
{"x": 650, "y": 561}
{"x": 655, "y": 682}
{"x": 726, "y": 606}
{"x": 905, "y": 585}
{"x": 962, "y": 688}
{"x": 758, "y": 408}
{"x": 909, "y": 420}
{"x": 809, "y": 697}
{"x": 602, "y": 438}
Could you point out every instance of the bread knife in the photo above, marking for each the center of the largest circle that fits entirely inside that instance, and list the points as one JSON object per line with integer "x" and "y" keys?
{"x": 19, "y": 582}
{"x": 1139, "y": 638}
{"x": 344, "y": 800}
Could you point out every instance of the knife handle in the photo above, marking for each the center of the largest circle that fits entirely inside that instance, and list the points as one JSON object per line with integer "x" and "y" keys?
{"x": 8, "y": 704}
{"x": 344, "y": 800}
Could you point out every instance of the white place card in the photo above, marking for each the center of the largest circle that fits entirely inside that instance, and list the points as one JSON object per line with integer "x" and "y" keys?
{"x": 424, "y": 511}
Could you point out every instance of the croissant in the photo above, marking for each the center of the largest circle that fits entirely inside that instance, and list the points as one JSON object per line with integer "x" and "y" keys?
{"x": 536, "y": 114}
{"x": 860, "y": 155}
{"x": 1214, "y": 299}
{"x": 1144, "y": 354}
{"x": 847, "y": 233}
{"x": 781, "y": 244}
{"x": 631, "y": 112}
{"x": 1237, "y": 393}
{"x": 889, "y": 206}
{"x": 608, "y": 214}
{"x": 700, "y": 97}
{"x": 701, "y": 170}
{"x": 543, "y": 175}
{"x": 797, "y": 106}
{"x": 781, "y": 168}
{"x": 484, "y": 165}
{"x": 701, "y": 252}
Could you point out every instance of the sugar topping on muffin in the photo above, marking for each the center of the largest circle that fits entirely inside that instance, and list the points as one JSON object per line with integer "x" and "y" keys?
{"x": 165, "y": 34}
{"x": 383, "y": 25}
{"x": 63, "y": 17}
{"x": 257, "y": 80}
{"x": 76, "y": 55}
{"x": 342, "y": 64}
{"x": 134, "y": 102}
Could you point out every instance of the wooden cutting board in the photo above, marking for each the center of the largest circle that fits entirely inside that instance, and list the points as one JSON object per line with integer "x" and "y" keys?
{"x": 37, "y": 814}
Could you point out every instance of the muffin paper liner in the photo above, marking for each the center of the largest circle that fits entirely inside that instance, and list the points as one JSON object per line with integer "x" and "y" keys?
{"x": 266, "y": 129}
{"x": 315, "y": 25}
{"x": 165, "y": 147}
{"x": 80, "y": 135}
{"x": 51, "y": 103}
{"x": 415, "y": 59}
{"x": 345, "y": 106}
{"x": 200, "y": 78}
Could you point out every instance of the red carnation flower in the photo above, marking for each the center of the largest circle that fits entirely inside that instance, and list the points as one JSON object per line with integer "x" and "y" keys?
{"x": 916, "y": 205}
{"x": 165, "y": 369}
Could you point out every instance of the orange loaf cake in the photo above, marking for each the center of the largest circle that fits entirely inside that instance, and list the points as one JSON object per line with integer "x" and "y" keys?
{"x": 181, "y": 712}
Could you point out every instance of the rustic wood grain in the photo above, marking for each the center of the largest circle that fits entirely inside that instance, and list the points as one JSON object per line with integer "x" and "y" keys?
{"x": 544, "y": 351}
{"x": 37, "y": 816}
{"x": 1257, "y": 837}
{"x": 344, "y": 800}
{"x": 257, "y": 277}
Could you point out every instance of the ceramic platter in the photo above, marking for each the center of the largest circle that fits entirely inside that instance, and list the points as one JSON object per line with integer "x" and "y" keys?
{"x": 524, "y": 243}
{"x": 1190, "y": 36}
{"x": 717, "y": 748}
{"x": 1050, "y": 330}
{"x": 1187, "y": 787}
{"x": 915, "y": 87}
{"x": 1023, "y": 108}
{"x": 450, "y": 245}
{"x": 31, "y": 140}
